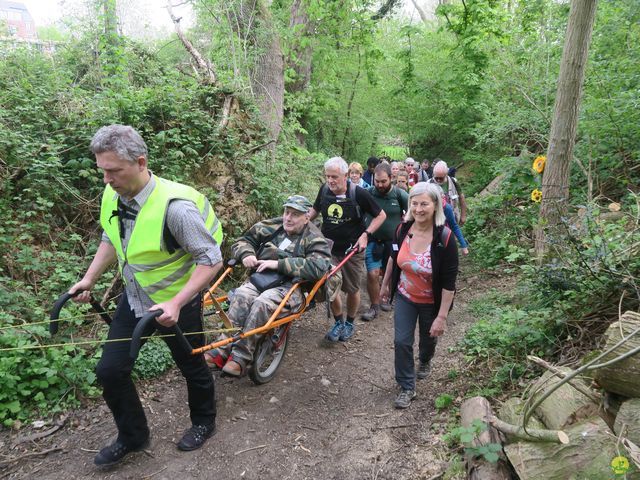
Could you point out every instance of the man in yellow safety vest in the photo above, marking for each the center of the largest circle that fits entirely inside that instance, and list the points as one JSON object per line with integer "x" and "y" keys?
{"x": 166, "y": 240}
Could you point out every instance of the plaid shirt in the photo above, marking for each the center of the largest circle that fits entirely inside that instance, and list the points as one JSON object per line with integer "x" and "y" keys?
{"x": 185, "y": 224}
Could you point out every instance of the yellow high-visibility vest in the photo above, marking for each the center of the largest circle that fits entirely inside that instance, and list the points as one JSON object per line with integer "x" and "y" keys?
{"x": 160, "y": 273}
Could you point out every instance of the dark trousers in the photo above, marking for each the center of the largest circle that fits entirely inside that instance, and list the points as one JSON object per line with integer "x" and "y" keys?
{"x": 405, "y": 316}
{"x": 114, "y": 373}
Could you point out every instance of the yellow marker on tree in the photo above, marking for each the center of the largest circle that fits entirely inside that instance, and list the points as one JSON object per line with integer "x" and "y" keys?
{"x": 536, "y": 196}
{"x": 538, "y": 163}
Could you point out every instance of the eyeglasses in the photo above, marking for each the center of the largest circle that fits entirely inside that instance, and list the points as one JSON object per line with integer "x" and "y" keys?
{"x": 439, "y": 179}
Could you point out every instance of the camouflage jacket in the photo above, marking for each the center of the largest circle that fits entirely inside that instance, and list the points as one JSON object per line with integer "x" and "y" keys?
{"x": 311, "y": 261}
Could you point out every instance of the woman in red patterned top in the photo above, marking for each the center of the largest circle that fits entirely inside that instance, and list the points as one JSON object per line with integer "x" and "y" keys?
{"x": 422, "y": 271}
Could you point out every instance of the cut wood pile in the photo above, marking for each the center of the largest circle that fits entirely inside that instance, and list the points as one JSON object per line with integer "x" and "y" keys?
{"x": 577, "y": 421}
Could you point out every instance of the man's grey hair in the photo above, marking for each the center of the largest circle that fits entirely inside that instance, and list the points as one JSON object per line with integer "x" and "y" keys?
{"x": 337, "y": 162}
{"x": 123, "y": 140}
{"x": 434, "y": 192}
{"x": 441, "y": 166}
{"x": 410, "y": 160}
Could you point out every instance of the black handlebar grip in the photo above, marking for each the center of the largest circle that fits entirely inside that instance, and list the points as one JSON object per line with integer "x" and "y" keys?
{"x": 55, "y": 311}
{"x": 141, "y": 327}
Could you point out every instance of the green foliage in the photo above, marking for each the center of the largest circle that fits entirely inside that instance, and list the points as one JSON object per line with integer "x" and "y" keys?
{"x": 505, "y": 334}
{"x": 466, "y": 436}
{"x": 443, "y": 401}
{"x": 153, "y": 360}
{"x": 50, "y": 190}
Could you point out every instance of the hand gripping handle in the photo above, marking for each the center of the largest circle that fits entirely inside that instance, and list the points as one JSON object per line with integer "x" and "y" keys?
{"x": 142, "y": 326}
{"x": 55, "y": 311}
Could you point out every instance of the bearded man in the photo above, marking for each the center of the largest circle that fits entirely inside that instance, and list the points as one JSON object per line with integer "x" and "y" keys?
{"x": 394, "y": 203}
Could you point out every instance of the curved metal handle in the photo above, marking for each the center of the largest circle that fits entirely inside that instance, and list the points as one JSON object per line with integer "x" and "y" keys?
{"x": 141, "y": 327}
{"x": 54, "y": 323}
{"x": 55, "y": 311}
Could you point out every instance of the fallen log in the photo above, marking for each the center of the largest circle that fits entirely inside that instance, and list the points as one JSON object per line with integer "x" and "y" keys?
{"x": 512, "y": 411}
{"x": 479, "y": 408}
{"x": 587, "y": 455}
{"x": 565, "y": 406}
{"x": 622, "y": 377}
{"x": 627, "y": 422}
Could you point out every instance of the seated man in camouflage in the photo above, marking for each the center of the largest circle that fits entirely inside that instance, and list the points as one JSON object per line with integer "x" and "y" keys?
{"x": 289, "y": 245}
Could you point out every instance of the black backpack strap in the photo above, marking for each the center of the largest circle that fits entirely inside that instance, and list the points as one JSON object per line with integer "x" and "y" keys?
{"x": 445, "y": 235}
{"x": 268, "y": 239}
{"x": 352, "y": 196}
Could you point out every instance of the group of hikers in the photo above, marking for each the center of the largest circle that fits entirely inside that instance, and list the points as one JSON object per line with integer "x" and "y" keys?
{"x": 166, "y": 240}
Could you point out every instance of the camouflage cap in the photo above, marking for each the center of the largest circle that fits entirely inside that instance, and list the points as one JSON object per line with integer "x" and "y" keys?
{"x": 298, "y": 202}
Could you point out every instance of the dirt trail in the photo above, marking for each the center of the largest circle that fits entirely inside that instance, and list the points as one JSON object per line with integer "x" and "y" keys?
{"x": 328, "y": 414}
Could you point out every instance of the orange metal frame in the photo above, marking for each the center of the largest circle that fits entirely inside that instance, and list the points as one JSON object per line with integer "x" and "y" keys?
{"x": 273, "y": 321}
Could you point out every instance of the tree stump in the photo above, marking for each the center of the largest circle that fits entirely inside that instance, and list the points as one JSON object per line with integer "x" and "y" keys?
{"x": 478, "y": 468}
{"x": 628, "y": 420}
{"x": 588, "y": 454}
{"x": 622, "y": 377}
{"x": 565, "y": 406}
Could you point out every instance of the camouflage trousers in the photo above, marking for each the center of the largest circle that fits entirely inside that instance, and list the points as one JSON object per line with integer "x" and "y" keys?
{"x": 251, "y": 309}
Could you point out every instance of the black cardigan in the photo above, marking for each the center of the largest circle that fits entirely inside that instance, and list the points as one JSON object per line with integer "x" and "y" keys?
{"x": 444, "y": 261}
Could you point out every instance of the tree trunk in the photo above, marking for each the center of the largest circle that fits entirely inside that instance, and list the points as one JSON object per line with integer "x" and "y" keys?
{"x": 301, "y": 55}
{"x": 111, "y": 58}
{"x": 622, "y": 377}
{"x": 421, "y": 12}
{"x": 565, "y": 406}
{"x": 555, "y": 181}
{"x": 628, "y": 420}
{"x": 252, "y": 22}
{"x": 587, "y": 455}
{"x": 302, "y": 51}
{"x": 347, "y": 130}
{"x": 204, "y": 67}
{"x": 479, "y": 408}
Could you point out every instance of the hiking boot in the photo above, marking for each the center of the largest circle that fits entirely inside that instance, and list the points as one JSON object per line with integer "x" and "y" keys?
{"x": 386, "y": 307}
{"x": 347, "y": 331}
{"x": 333, "y": 335}
{"x": 423, "y": 370}
{"x": 370, "y": 314}
{"x": 114, "y": 453}
{"x": 403, "y": 400}
{"x": 195, "y": 437}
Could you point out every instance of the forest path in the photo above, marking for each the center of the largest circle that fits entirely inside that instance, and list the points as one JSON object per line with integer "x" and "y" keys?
{"x": 328, "y": 414}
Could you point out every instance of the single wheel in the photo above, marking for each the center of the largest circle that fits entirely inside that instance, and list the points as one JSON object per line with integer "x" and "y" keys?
{"x": 268, "y": 355}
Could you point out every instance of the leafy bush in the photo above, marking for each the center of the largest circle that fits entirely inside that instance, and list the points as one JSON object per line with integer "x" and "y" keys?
{"x": 154, "y": 359}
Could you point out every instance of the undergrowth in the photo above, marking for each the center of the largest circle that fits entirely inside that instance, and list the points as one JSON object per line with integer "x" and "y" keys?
{"x": 556, "y": 309}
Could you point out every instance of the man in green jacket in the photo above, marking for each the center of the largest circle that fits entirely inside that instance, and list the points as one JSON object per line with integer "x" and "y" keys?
{"x": 289, "y": 245}
{"x": 166, "y": 240}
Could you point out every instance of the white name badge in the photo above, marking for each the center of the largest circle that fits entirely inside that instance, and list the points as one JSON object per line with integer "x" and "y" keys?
{"x": 284, "y": 244}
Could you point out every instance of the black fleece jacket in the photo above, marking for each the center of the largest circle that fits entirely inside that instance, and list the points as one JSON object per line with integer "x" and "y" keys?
{"x": 444, "y": 261}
